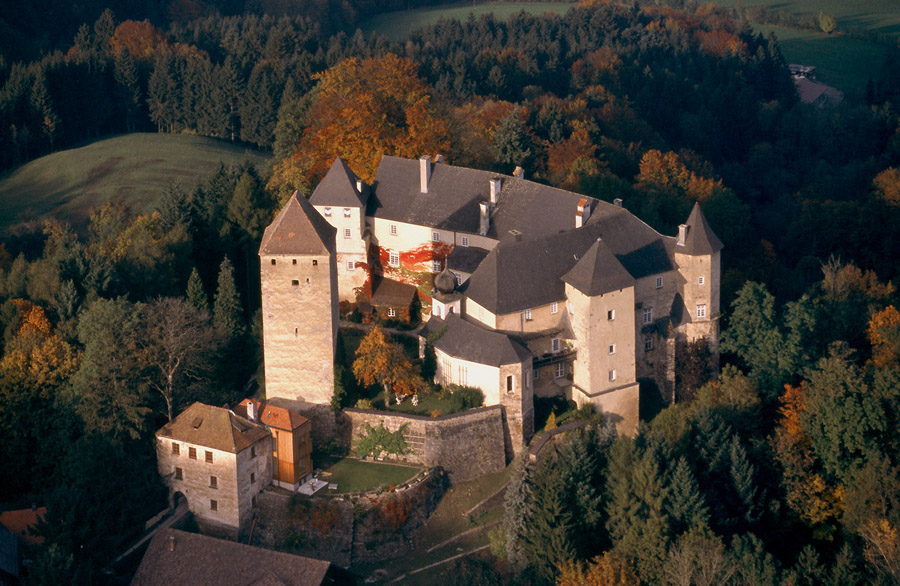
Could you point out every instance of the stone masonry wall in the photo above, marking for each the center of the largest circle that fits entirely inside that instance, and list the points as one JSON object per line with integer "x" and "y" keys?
{"x": 466, "y": 445}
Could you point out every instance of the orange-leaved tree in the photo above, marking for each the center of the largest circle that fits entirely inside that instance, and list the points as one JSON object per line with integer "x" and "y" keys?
{"x": 884, "y": 335}
{"x": 364, "y": 109}
{"x": 605, "y": 570}
{"x": 378, "y": 360}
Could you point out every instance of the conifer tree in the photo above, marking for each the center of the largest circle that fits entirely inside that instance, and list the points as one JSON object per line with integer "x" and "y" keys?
{"x": 196, "y": 294}
{"x": 511, "y": 141}
{"x": 516, "y": 511}
{"x": 548, "y": 536}
{"x": 743, "y": 475}
{"x": 227, "y": 307}
{"x": 686, "y": 506}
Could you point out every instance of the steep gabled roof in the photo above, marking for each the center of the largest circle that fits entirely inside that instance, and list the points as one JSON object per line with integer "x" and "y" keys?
{"x": 700, "y": 238}
{"x": 338, "y": 188}
{"x": 298, "y": 229}
{"x": 598, "y": 272}
{"x": 469, "y": 341}
{"x": 179, "y": 557}
{"x": 271, "y": 415}
{"x": 213, "y": 427}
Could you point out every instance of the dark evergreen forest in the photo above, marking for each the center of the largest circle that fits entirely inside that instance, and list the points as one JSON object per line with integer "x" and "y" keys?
{"x": 781, "y": 469}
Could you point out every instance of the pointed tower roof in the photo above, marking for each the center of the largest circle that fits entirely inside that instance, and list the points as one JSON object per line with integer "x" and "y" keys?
{"x": 338, "y": 188}
{"x": 700, "y": 239}
{"x": 598, "y": 272}
{"x": 298, "y": 229}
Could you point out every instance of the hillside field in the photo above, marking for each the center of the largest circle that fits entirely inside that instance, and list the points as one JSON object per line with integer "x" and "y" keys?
{"x": 137, "y": 167}
{"x": 397, "y": 25}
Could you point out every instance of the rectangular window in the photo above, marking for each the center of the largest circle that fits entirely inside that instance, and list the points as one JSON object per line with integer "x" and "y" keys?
{"x": 252, "y": 477}
{"x": 347, "y": 232}
{"x": 435, "y": 236}
{"x": 179, "y": 473}
{"x": 315, "y": 262}
{"x": 295, "y": 282}
{"x": 293, "y": 261}
{"x": 393, "y": 229}
{"x": 392, "y": 312}
{"x": 611, "y": 314}
{"x": 327, "y": 212}
{"x": 465, "y": 240}
{"x": 535, "y": 373}
{"x": 208, "y": 457}
{"x": 560, "y": 369}
{"x": 527, "y": 379}
{"x": 647, "y": 315}
{"x": 554, "y": 307}
{"x": 213, "y": 505}
{"x": 351, "y": 265}
{"x": 509, "y": 384}
{"x": 435, "y": 266}
{"x": 273, "y": 262}
{"x": 458, "y": 278}
{"x": 701, "y": 311}
{"x": 659, "y": 282}
{"x": 213, "y": 482}
{"x": 252, "y": 451}
{"x": 612, "y": 375}
{"x": 526, "y": 315}
{"x": 463, "y": 372}
{"x": 192, "y": 453}
{"x": 701, "y": 280}
{"x": 612, "y": 348}
{"x": 346, "y": 212}
{"x": 394, "y": 259}
{"x": 648, "y": 344}
{"x": 176, "y": 449}
{"x": 554, "y": 345}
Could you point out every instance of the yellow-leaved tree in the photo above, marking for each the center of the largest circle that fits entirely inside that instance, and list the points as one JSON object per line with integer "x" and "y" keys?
{"x": 378, "y": 360}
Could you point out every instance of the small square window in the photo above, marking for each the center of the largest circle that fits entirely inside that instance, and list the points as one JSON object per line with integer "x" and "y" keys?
{"x": 192, "y": 453}
{"x": 327, "y": 212}
{"x": 701, "y": 280}
{"x": 295, "y": 282}
{"x": 392, "y": 312}
{"x": 351, "y": 265}
{"x": 213, "y": 505}
{"x": 293, "y": 261}
{"x": 647, "y": 315}
{"x": 648, "y": 344}
{"x": 554, "y": 307}
{"x": 701, "y": 310}
{"x": 612, "y": 375}
{"x": 435, "y": 236}
{"x": 179, "y": 474}
{"x": 346, "y": 212}
{"x": 560, "y": 369}
{"x": 465, "y": 241}
{"x": 393, "y": 229}
{"x": 208, "y": 457}
{"x": 347, "y": 232}
{"x": 315, "y": 262}
{"x": 176, "y": 449}
{"x": 612, "y": 348}
{"x": 659, "y": 282}
{"x": 394, "y": 259}
{"x": 435, "y": 266}
{"x": 213, "y": 482}
{"x": 611, "y": 314}
{"x": 554, "y": 345}
{"x": 526, "y": 315}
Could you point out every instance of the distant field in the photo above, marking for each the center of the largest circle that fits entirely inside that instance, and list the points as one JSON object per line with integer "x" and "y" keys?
{"x": 136, "y": 167}
{"x": 397, "y": 25}
{"x": 881, "y": 16}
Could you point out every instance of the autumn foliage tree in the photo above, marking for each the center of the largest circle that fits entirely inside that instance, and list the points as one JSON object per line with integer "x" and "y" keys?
{"x": 378, "y": 360}
{"x": 884, "y": 335}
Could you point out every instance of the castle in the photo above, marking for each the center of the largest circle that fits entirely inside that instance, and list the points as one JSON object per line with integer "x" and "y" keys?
{"x": 534, "y": 291}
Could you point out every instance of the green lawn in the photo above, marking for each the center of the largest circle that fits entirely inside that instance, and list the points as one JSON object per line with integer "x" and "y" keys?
{"x": 136, "y": 167}
{"x": 397, "y": 25}
{"x": 880, "y": 16}
{"x": 352, "y": 475}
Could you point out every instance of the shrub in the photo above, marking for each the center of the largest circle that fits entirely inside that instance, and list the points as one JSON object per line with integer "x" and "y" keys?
{"x": 378, "y": 440}
{"x": 364, "y": 404}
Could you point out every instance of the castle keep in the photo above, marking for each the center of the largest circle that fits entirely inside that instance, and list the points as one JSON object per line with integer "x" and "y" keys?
{"x": 534, "y": 291}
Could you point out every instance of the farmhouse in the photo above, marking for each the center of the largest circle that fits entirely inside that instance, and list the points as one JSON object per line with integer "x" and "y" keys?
{"x": 533, "y": 291}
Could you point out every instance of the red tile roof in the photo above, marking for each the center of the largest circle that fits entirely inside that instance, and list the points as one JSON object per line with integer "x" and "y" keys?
{"x": 20, "y": 521}
{"x": 272, "y": 415}
{"x": 213, "y": 427}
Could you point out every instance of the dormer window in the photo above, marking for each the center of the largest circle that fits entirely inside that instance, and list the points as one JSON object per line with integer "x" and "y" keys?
{"x": 327, "y": 212}
{"x": 346, "y": 212}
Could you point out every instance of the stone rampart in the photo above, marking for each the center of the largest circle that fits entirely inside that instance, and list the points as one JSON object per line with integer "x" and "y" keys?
{"x": 466, "y": 445}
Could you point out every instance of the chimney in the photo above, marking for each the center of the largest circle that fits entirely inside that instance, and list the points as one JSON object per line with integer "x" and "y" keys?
{"x": 582, "y": 213}
{"x": 519, "y": 172}
{"x": 359, "y": 186}
{"x": 617, "y": 202}
{"x": 424, "y": 173}
{"x": 496, "y": 185}
{"x": 439, "y": 159}
{"x": 682, "y": 234}
{"x": 517, "y": 236}
{"x": 485, "y": 218}
{"x": 251, "y": 410}
{"x": 172, "y": 543}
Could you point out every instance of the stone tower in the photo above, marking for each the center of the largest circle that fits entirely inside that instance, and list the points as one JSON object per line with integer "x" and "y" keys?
{"x": 298, "y": 276}
{"x": 697, "y": 254}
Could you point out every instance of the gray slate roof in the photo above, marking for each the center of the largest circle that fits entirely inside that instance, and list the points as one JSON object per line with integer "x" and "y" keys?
{"x": 468, "y": 341}
{"x": 298, "y": 229}
{"x": 338, "y": 188}
{"x": 466, "y": 258}
{"x": 598, "y": 272}
{"x": 700, "y": 238}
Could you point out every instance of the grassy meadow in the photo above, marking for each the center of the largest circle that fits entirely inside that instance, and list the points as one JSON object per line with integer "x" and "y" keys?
{"x": 880, "y": 16}
{"x": 397, "y": 25}
{"x": 137, "y": 167}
